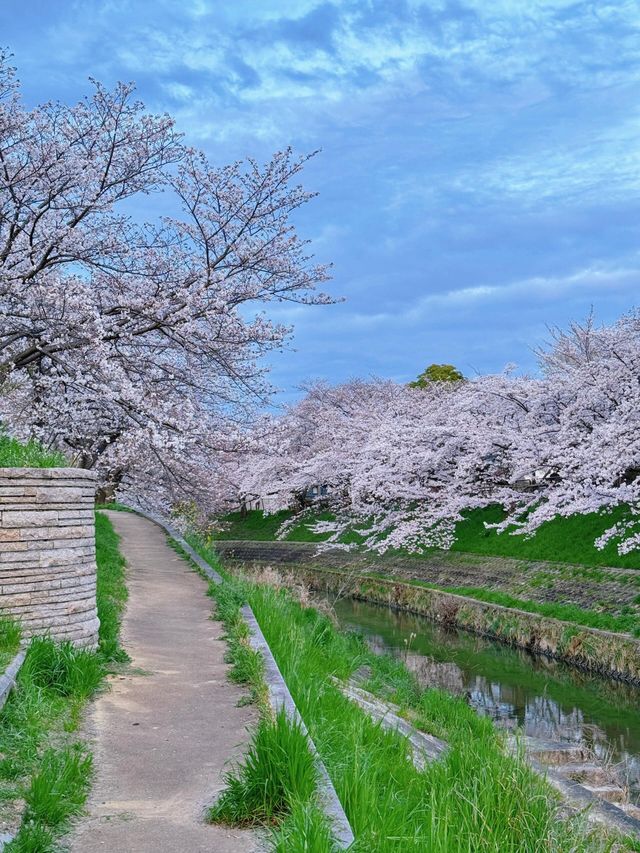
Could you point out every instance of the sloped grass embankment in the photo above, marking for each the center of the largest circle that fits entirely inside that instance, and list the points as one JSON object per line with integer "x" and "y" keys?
{"x": 45, "y": 768}
{"x": 478, "y": 797}
{"x": 567, "y": 540}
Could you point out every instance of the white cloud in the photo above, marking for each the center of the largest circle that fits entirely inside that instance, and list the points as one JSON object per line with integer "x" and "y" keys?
{"x": 592, "y": 280}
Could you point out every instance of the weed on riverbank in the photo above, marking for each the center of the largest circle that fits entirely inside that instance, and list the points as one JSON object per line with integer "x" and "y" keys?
{"x": 276, "y": 773}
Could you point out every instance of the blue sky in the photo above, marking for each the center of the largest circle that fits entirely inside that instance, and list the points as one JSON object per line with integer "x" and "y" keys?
{"x": 480, "y": 169}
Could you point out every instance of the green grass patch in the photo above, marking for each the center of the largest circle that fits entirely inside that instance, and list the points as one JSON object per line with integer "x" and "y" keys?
{"x": 43, "y": 764}
{"x": 277, "y": 772}
{"x": 247, "y": 666}
{"x": 9, "y": 641}
{"x": 567, "y": 540}
{"x": 59, "y": 789}
{"x": 111, "y": 590}
{"x": 275, "y": 784}
{"x": 62, "y": 669}
{"x": 254, "y": 524}
{"x": 16, "y": 454}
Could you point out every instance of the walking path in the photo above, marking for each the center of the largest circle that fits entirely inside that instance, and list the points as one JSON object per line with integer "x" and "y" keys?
{"x": 163, "y": 738}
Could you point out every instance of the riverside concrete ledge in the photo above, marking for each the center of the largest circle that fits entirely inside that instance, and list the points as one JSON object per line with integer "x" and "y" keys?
{"x": 582, "y": 800}
{"x": 279, "y": 695}
{"x": 8, "y": 677}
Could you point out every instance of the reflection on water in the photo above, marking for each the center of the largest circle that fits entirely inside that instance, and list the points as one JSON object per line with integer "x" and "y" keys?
{"x": 545, "y": 698}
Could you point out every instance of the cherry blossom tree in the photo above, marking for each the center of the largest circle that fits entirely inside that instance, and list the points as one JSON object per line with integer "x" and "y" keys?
{"x": 137, "y": 348}
{"x": 589, "y": 445}
{"x": 403, "y": 464}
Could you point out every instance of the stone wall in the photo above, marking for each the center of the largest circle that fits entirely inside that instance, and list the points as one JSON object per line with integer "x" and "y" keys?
{"x": 47, "y": 552}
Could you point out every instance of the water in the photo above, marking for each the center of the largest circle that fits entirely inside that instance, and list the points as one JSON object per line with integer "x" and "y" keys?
{"x": 544, "y": 698}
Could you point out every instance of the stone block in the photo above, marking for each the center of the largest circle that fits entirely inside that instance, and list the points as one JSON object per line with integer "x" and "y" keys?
{"x": 27, "y": 518}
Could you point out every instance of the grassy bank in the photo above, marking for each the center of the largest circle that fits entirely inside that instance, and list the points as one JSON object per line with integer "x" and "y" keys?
{"x": 45, "y": 768}
{"x": 262, "y": 527}
{"x": 477, "y": 798}
{"x": 626, "y": 624}
{"x": 14, "y": 454}
{"x": 567, "y": 540}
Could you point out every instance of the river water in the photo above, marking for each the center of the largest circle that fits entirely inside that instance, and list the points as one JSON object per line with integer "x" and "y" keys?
{"x": 544, "y": 698}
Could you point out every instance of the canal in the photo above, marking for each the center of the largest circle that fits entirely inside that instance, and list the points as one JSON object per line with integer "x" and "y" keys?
{"x": 544, "y": 698}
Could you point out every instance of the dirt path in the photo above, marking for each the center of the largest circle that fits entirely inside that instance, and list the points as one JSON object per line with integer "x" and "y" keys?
{"x": 162, "y": 739}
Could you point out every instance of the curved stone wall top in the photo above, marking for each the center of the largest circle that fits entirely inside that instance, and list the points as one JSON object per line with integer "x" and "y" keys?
{"x": 49, "y": 473}
{"x": 47, "y": 551}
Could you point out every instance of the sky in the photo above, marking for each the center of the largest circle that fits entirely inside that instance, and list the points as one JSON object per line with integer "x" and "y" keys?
{"x": 479, "y": 171}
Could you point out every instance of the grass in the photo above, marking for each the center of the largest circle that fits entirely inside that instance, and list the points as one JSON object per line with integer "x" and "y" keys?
{"x": 477, "y": 798}
{"x": 567, "y": 540}
{"x": 59, "y": 789}
{"x": 62, "y": 669}
{"x": 276, "y": 772}
{"x": 111, "y": 590}
{"x": 9, "y": 641}
{"x": 629, "y": 624}
{"x": 15, "y": 454}
{"x": 254, "y": 524}
{"x": 274, "y": 786}
{"x": 43, "y": 763}
{"x": 247, "y": 666}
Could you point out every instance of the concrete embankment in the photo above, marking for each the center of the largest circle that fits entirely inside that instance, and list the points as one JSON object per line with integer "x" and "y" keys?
{"x": 614, "y": 655}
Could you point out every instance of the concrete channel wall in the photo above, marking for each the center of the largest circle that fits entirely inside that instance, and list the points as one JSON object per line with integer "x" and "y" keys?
{"x": 47, "y": 552}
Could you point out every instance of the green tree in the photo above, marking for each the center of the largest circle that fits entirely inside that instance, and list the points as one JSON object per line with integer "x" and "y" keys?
{"x": 437, "y": 373}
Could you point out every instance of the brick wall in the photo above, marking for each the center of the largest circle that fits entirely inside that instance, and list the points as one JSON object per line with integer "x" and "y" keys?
{"x": 47, "y": 552}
